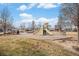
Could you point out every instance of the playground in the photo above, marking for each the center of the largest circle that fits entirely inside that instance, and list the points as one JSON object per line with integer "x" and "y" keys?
{"x": 65, "y": 40}
{"x": 33, "y": 33}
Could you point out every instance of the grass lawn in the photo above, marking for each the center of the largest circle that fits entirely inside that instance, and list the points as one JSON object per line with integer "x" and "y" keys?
{"x": 22, "y": 46}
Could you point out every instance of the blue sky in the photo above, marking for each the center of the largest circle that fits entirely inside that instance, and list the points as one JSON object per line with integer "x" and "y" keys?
{"x": 39, "y": 12}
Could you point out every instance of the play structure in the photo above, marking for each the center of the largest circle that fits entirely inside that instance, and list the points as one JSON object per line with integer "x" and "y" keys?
{"x": 43, "y": 30}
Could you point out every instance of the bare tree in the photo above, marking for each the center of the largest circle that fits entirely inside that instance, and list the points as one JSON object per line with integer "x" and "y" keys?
{"x": 60, "y": 22}
{"x": 64, "y": 21}
{"x": 22, "y": 26}
{"x": 6, "y": 18}
{"x": 33, "y": 25}
{"x": 71, "y": 11}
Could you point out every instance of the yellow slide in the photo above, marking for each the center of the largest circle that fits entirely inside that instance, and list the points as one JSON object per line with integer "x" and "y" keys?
{"x": 40, "y": 32}
{"x": 48, "y": 32}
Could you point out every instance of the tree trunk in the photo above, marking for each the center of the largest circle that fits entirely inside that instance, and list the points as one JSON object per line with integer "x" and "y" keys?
{"x": 4, "y": 30}
{"x": 78, "y": 33}
{"x": 4, "y": 27}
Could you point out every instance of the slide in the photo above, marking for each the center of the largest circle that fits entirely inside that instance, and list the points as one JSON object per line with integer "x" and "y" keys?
{"x": 40, "y": 32}
{"x": 48, "y": 32}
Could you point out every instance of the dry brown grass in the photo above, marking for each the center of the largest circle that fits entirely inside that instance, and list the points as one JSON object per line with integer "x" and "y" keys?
{"x": 73, "y": 34}
{"x": 21, "y": 45}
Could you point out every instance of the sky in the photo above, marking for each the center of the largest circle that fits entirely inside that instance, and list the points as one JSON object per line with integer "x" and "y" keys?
{"x": 27, "y": 12}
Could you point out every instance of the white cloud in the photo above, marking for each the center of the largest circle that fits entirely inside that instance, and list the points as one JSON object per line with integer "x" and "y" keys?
{"x": 25, "y": 15}
{"x": 22, "y": 8}
{"x": 28, "y": 18}
{"x": 31, "y": 5}
{"x": 51, "y": 21}
{"x": 38, "y": 5}
{"x": 46, "y": 5}
{"x": 24, "y": 18}
{"x": 25, "y": 7}
{"x": 42, "y": 19}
